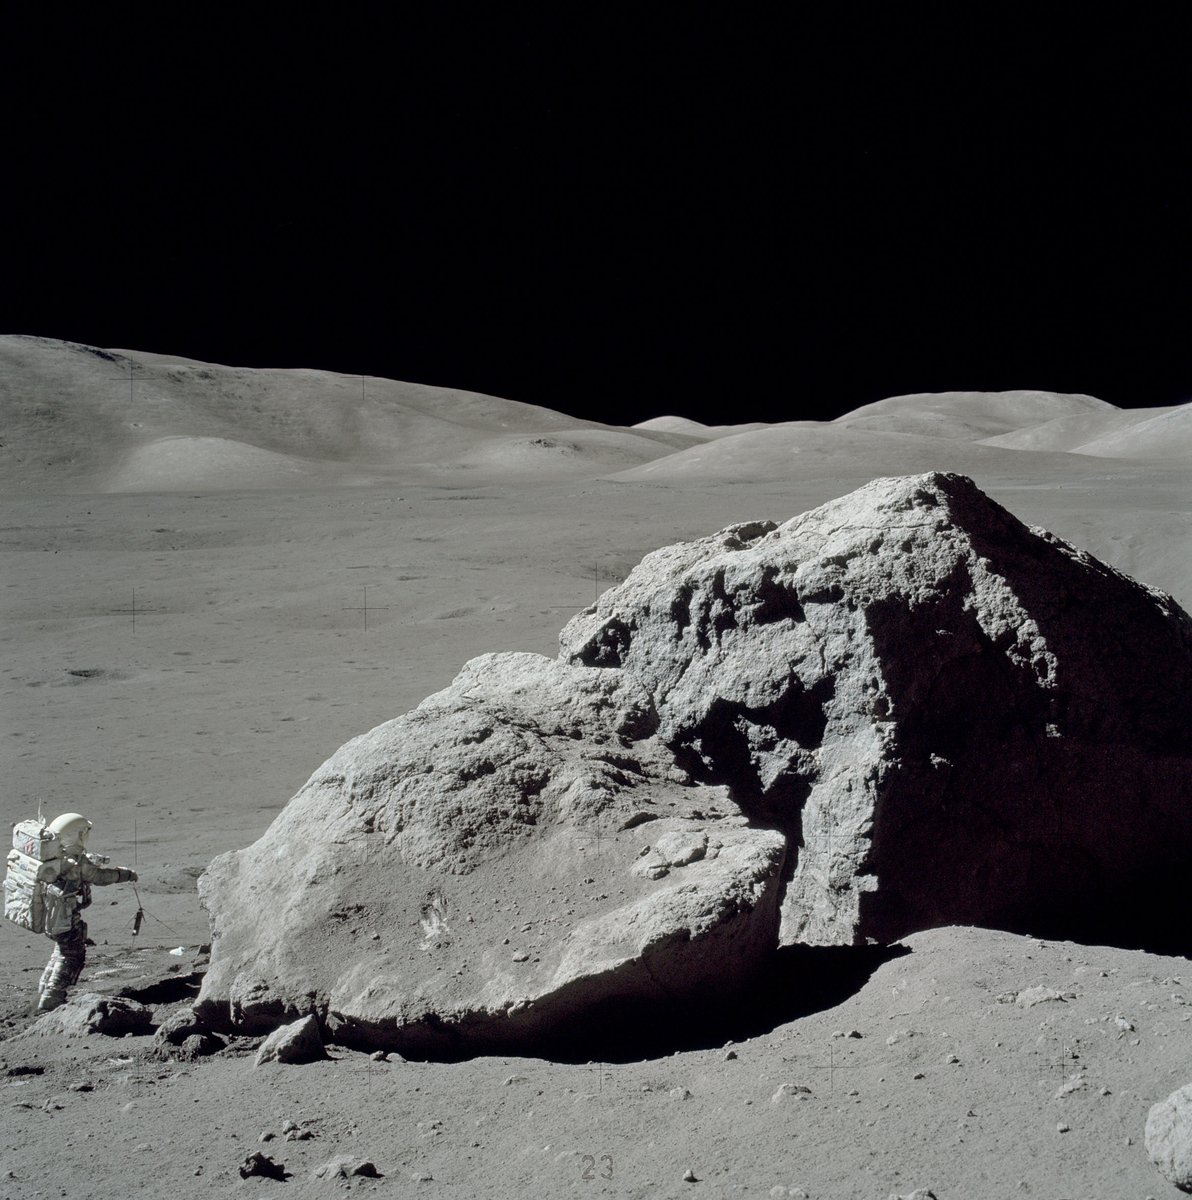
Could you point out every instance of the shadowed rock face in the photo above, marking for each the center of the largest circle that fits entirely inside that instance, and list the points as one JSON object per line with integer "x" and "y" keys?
{"x": 956, "y": 719}
{"x": 901, "y": 710}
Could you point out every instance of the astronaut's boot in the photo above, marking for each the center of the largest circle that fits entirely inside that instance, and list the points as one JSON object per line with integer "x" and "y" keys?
{"x": 61, "y": 972}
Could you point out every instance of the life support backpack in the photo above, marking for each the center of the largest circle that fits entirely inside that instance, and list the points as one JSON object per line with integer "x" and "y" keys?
{"x": 32, "y": 900}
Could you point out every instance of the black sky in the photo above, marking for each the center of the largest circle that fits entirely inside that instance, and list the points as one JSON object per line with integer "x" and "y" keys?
{"x": 733, "y": 213}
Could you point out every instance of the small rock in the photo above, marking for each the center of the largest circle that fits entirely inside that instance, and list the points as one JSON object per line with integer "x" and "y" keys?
{"x": 258, "y": 1164}
{"x": 788, "y": 1090}
{"x": 689, "y": 1176}
{"x": 729, "y": 1055}
{"x": 509, "y": 1079}
{"x": 854, "y": 1033}
{"x": 299, "y": 1042}
{"x": 266, "y": 1136}
{"x": 422, "y": 1177}
{"x": 346, "y": 1168}
{"x": 680, "y": 1093}
{"x": 952, "y": 1058}
{"x": 380, "y": 1056}
{"x": 1063, "y": 1127}
{"x": 520, "y": 956}
{"x": 1124, "y": 1025}
{"x": 1041, "y": 995}
{"x": 917, "y": 1194}
{"x": 289, "y": 1126}
{"x": 1075, "y": 1084}
{"x": 89, "y": 1013}
{"x": 918, "y": 1075}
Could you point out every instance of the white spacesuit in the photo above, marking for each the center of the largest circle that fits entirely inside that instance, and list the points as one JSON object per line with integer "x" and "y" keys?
{"x": 78, "y": 872}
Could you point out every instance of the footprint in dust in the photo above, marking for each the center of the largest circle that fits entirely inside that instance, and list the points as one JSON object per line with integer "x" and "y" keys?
{"x": 434, "y": 918}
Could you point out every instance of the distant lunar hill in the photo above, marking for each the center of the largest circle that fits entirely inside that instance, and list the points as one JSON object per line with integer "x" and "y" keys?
{"x": 81, "y": 419}
{"x": 969, "y": 416}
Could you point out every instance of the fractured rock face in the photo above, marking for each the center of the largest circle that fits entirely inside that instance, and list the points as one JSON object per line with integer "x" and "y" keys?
{"x": 462, "y": 876}
{"x": 957, "y": 719}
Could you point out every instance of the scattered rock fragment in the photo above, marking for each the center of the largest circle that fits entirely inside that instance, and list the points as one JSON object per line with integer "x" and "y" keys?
{"x": 346, "y": 1168}
{"x": 183, "y": 1036}
{"x": 299, "y": 1042}
{"x": 89, "y": 1013}
{"x": 260, "y": 1164}
{"x": 789, "y": 1091}
{"x": 1029, "y": 997}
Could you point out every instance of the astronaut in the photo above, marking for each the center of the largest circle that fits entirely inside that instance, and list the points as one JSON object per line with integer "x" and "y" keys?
{"x": 78, "y": 872}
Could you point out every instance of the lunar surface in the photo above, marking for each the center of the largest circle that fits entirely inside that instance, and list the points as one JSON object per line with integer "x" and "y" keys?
{"x": 215, "y": 578}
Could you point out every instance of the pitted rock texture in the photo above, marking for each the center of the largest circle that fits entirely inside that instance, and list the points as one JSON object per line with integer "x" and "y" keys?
{"x": 956, "y": 719}
{"x": 463, "y": 876}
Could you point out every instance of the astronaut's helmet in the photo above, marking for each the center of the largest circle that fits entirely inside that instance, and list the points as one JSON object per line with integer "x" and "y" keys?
{"x": 71, "y": 829}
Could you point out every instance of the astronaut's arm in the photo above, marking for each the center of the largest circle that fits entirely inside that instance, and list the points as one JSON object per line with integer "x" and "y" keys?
{"x": 93, "y": 873}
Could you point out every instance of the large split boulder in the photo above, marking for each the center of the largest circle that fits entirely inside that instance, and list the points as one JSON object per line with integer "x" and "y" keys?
{"x": 901, "y": 710}
{"x": 516, "y": 851}
{"x": 956, "y": 719}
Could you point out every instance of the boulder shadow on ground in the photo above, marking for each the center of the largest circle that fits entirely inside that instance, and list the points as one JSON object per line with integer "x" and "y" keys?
{"x": 793, "y": 982}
